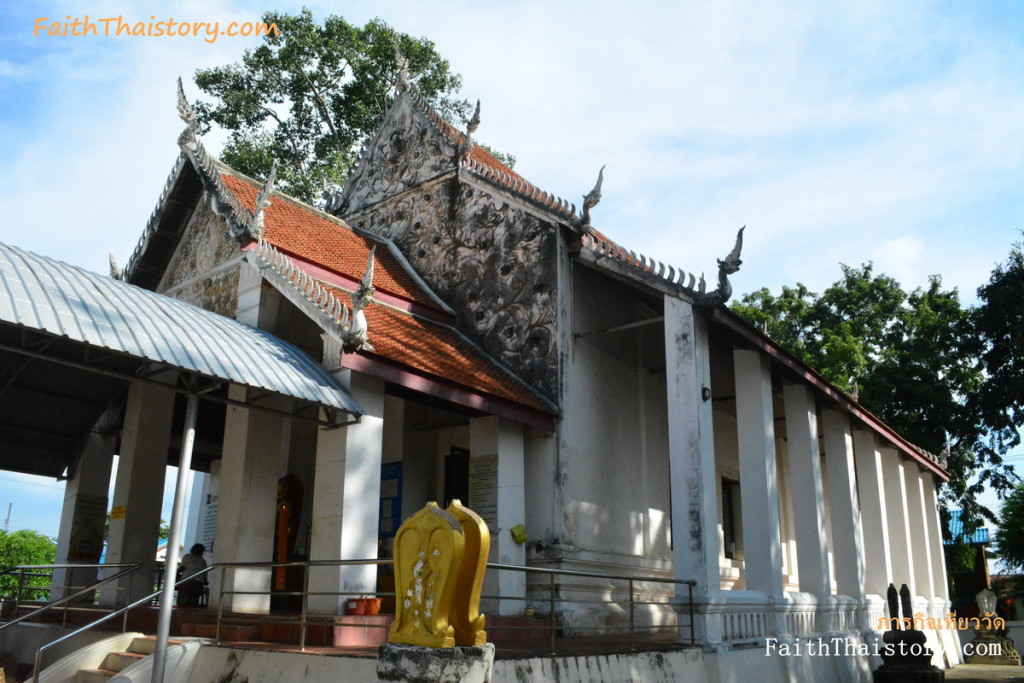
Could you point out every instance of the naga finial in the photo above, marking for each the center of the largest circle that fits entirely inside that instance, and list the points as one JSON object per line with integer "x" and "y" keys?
{"x": 590, "y": 200}
{"x": 263, "y": 200}
{"x": 726, "y": 267}
{"x": 357, "y": 335}
{"x": 467, "y": 144}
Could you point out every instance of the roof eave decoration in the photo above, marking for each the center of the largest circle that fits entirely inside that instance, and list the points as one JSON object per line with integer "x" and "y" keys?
{"x": 590, "y": 200}
{"x": 357, "y": 335}
{"x": 241, "y": 222}
{"x": 301, "y": 288}
{"x": 600, "y": 251}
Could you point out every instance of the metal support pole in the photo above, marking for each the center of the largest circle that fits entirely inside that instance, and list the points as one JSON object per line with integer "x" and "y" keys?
{"x": 632, "y": 618}
{"x": 551, "y": 610}
{"x": 163, "y": 631}
{"x": 305, "y": 606}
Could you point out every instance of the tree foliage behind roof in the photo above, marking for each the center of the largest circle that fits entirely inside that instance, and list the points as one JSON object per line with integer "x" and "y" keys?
{"x": 310, "y": 95}
{"x": 918, "y": 360}
{"x": 24, "y": 547}
{"x": 1010, "y": 532}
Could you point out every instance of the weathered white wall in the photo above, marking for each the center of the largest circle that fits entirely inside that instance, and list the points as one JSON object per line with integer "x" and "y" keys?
{"x": 613, "y": 436}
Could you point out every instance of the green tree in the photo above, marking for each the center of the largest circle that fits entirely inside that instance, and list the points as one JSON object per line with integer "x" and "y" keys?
{"x": 312, "y": 93}
{"x": 1010, "y": 532}
{"x": 24, "y": 547}
{"x": 999, "y": 324}
{"x": 913, "y": 359}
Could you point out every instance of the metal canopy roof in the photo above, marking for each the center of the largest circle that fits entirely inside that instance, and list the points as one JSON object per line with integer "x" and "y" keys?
{"x": 71, "y": 341}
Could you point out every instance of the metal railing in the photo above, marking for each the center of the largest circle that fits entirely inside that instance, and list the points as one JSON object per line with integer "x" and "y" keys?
{"x": 123, "y": 612}
{"x": 552, "y": 600}
{"x": 64, "y": 602}
{"x": 304, "y": 619}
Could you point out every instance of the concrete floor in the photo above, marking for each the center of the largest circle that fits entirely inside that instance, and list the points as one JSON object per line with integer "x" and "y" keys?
{"x": 968, "y": 673}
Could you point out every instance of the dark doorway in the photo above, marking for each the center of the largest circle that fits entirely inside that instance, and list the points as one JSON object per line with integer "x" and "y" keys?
{"x": 456, "y": 475}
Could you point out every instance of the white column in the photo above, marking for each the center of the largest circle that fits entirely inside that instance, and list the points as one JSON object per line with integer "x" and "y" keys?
{"x": 762, "y": 549}
{"x": 693, "y": 482}
{"x": 896, "y": 496}
{"x": 494, "y": 437}
{"x": 139, "y": 489}
{"x": 874, "y": 515}
{"x": 246, "y": 504}
{"x": 847, "y": 536}
{"x": 808, "y": 500}
{"x": 84, "y": 516}
{"x": 346, "y": 497}
{"x": 940, "y": 586}
{"x": 919, "y": 532}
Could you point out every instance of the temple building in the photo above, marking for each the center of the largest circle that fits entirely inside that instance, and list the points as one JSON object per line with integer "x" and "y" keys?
{"x": 496, "y": 347}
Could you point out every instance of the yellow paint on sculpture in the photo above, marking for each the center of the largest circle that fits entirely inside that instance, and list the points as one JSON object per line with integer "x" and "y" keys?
{"x": 465, "y": 612}
{"x": 428, "y": 554}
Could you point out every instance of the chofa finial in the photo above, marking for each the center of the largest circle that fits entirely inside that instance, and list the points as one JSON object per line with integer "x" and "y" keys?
{"x": 263, "y": 200}
{"x": 116, "y": 271}
{"x": 402, "y": 66}
{"x": 187, "y": 114}
{"x": 590, "y": 200}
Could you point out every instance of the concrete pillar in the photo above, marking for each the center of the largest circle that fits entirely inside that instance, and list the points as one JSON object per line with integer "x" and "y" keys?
{"x": 896, "y": 495}
{"x": 246, "y": 505}
{"x": 494, "y": 440}
{"x": 938, "y": 555}
{"x": 809, "y": 501}
{"x": 920, "y": 541}
{"x": 691, "y": 452}
{"x": 346, "y": 497}
{"x": 84, "y": 516}
{"x": 755, "y": 424}
{"x": 139, "y": 490}
{"x": 874, "y": 515}
{"x": 840, "y": 474}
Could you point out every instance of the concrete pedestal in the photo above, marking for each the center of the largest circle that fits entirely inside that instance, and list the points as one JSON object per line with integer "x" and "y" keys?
{"x": 412, "y": 664}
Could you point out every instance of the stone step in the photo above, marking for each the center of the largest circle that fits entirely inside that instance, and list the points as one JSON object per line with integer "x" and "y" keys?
{"x": 146, "y": 645}
{"x": 228, "y": 632}
{"x": 117, "y": 661}
{"x": 94, "y": 675}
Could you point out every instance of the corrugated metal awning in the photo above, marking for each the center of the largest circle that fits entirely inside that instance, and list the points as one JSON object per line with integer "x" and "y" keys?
{"x": 52, "y": 312}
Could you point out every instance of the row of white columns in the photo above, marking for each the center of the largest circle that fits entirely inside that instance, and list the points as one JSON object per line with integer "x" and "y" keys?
{"x": 881, "y": 507}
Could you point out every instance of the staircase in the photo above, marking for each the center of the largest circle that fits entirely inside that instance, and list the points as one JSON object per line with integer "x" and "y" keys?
{"x": 115, "y": 662}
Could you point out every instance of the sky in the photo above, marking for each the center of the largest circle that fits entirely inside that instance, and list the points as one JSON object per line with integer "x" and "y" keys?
{"x": 840, "y": 132}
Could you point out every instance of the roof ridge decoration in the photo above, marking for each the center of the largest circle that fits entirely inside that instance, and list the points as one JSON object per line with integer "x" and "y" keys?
{"x": 516, "y": 184}
{"x": 357, "y": 334}
{"x": 241, "y": 222}
{"x": 468, "y": 144}
{"x": 681, "y": 280}
{"x": 590, "y": 200}
{"x": 306, "y": 284}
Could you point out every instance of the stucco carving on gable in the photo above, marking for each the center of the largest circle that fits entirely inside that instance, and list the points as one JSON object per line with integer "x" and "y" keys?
{"x": 491, "y": 261}
{"x": 406, "y": 152}
{"x": 200, "y": 272}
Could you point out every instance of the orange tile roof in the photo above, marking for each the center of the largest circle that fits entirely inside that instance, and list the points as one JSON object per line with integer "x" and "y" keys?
{"x": 304, "y": 232}
{"x": 437, "y": 350}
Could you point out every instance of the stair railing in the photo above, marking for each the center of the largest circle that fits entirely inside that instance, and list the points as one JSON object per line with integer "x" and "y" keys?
{"x": 121, "y": 612}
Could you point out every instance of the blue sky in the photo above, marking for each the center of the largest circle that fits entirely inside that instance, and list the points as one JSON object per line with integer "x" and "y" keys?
{"x": 837, "y": 132}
